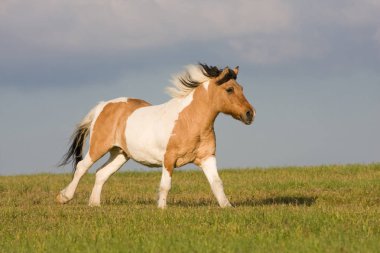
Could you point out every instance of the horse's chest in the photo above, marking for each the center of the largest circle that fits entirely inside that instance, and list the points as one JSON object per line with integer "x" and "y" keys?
{"x": 192, "y": 147}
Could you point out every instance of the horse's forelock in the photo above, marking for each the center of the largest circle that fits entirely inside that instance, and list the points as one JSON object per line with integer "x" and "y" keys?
{"x": 225, "y": 76}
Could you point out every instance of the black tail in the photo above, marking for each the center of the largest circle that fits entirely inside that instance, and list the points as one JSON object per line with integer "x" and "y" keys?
{"x": 74, "y": 154}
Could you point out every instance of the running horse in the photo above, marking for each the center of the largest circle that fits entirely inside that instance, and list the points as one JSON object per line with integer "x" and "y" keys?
{"x": 170, "y": 135}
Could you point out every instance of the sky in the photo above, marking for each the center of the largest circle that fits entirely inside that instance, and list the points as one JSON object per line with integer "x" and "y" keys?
{"x": 310, "y": 68}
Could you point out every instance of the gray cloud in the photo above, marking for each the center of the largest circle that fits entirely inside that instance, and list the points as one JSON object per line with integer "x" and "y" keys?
{"x": 126, "y": 25}
{"x": 81, "y": 42}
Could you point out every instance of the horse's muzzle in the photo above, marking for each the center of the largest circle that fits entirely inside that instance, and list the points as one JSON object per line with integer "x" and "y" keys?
{"x": 249, "y": 116}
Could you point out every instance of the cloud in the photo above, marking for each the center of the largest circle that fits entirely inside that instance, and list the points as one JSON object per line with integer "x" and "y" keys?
{"x": 130, "y": 25}
{"x": 45, "y": 42}
{"x": 79, "y": 41}
{"x": 317, "y": 31}
{"x": 279, "y": 48}
{"x": 361, "y": 13}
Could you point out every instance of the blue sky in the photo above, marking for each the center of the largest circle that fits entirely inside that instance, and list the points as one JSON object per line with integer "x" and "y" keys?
{"x": 311, "y": 69}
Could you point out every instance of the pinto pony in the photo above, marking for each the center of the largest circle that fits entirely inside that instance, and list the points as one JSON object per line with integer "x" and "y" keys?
{"x": 170, "y": 135}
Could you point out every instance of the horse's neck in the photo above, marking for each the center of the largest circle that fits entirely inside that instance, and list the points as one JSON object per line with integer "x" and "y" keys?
{"x": 198, "y": 111}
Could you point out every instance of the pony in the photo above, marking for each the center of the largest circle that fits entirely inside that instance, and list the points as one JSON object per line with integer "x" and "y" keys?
{"x": 168, "y": 135}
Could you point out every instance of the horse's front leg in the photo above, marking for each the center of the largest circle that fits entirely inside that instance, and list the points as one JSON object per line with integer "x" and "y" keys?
{"x": 165, "y": 185}
{"x": 209, "y": 168}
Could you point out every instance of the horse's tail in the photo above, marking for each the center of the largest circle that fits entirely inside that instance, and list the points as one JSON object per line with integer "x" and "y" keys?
{"x": 74, "y": 154}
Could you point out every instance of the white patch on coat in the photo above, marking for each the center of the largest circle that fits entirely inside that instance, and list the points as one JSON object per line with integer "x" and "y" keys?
{"x": 149, "y": 129}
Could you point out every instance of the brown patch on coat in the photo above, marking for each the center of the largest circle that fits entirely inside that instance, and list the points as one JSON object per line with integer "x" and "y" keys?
{"x": 109, "y": 128}
{"x": 193, "y": 136}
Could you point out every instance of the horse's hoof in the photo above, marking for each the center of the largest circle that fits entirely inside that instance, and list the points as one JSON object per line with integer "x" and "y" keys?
{"x": 62, "y": 199}
{"x": 162, "y": 207}
{"x": 93, "y": 204}
{"x": 226, "y": 205}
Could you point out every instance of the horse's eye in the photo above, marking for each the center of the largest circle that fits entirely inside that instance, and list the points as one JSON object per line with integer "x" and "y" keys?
{"x": 230, "y": 90}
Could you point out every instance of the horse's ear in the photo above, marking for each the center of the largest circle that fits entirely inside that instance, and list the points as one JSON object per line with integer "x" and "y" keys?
{"x": 236, "y": 70}
{"x": 221, "y": 76}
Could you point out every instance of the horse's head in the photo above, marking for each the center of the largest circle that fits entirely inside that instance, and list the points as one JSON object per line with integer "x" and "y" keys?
{"x": 229, "y": 97}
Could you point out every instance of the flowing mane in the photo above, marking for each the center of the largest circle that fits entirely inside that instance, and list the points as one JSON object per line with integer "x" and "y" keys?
{"x": 193, "y": 76}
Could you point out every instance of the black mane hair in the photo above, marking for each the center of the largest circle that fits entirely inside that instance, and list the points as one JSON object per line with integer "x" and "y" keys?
{"x": 212, "y": 71}
{"x": 209, "y": 71}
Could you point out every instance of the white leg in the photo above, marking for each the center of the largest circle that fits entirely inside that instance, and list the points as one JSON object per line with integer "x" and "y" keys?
{"x": 211, "y": 172}
{"x": 116, "y": 160}
{"x": 68, "y": 193}
{"x": 165, "y": 185}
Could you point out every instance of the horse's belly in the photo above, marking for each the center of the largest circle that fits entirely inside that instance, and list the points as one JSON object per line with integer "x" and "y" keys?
{"x": 144, "y": 152}
{"x": 142, "y": 147}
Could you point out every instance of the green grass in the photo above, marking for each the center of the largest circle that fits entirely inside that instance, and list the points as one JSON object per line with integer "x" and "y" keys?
{"x": 313, "y": 209}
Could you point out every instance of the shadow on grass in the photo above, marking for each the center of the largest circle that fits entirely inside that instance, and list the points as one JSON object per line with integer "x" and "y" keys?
{"x": 180, "y": 203}
{"x": 283, "y": 200}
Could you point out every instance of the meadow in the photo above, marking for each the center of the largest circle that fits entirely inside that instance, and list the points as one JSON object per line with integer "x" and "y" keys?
{"x": 332, "y": 208}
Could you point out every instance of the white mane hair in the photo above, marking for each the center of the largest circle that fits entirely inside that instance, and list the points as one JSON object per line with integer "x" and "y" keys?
{"x": 184, "y": 82}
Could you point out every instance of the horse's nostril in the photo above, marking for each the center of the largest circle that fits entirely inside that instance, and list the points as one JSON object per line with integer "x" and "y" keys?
{"x": 249, "y": 114}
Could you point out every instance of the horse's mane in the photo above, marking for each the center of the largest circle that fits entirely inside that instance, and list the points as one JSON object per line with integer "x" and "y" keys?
{"x": 195, "y": 75}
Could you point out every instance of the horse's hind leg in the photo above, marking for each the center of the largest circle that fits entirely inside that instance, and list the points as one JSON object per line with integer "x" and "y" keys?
{"x": 116, "y": 160}
{"x": 68, "y": 193}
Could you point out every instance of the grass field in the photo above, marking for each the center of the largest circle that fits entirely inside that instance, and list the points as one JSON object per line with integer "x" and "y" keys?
{"x": 313, "y": 209}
